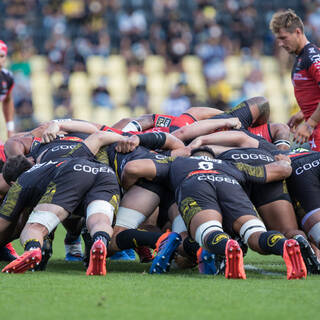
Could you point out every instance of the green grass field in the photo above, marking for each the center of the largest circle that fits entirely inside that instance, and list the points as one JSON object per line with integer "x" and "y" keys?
{"x": 129, "y": 292}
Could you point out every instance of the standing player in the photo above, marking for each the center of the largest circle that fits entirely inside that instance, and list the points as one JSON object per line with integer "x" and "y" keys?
{"x": 289, "y": 31}
{"x": 6, "y": 86}
{"x": 7, "y": 253}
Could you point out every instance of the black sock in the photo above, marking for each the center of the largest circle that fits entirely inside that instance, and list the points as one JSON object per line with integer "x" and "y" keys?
{"x": 31, "y": 244}
{"x": 272, "y": 242}
{"x": 70, "y": 238}
{"x": 133, "y": 238}
{"x": 190, "y": 247}
{"x": 103, "y": 236}
{"x": 216, "y": 242}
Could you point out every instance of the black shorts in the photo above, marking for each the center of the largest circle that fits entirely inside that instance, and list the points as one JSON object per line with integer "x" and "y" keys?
{"x": 304, "y": 182}
{"x": 225, "y": 195}
{"x": 262, "y": 194}
{"x": 82, "y": 181}
{"x": 16, "y": 200}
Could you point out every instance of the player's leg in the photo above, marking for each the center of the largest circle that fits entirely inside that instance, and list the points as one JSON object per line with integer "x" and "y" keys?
{"x": 43, "y": 220}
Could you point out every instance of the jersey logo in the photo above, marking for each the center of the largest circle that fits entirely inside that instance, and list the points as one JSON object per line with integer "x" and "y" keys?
{"x": 163, "y": 122}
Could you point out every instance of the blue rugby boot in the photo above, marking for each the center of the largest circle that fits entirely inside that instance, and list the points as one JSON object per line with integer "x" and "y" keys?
{"x": 206, "y": 262}
{"x": 165, "y": 249}
{"x": 73, "y": 250}
{"x": 124, "y": 255}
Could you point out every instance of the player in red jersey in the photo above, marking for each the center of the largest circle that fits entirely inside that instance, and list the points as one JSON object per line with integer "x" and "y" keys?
{"x": 6, "y": 86}
{"x": 289, "y": 31}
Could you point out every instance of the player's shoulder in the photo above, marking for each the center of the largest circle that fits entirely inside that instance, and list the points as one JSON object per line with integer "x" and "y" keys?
{"x": 7, "y": 72}
{"x": 311, "y": 55}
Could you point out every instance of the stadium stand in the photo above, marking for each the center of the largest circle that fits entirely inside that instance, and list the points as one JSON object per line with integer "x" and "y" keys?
{"x": 216, "y": 48}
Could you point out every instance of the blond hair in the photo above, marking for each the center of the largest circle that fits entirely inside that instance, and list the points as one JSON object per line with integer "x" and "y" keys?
{"x": 287, "y": 20}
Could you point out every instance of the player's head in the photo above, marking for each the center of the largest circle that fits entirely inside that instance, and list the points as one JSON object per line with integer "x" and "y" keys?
{"x": 203, "y": 151}
{"x": 14, "y": 166}
{"x": 3, "y": 53}
{"x": 289, "y": 30}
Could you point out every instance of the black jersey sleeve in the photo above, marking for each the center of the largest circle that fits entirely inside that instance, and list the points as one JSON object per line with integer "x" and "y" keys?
{"x": 256, "y": 174}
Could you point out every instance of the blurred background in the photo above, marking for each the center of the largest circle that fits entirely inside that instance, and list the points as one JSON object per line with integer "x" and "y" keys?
{"x": 102, "y": 60}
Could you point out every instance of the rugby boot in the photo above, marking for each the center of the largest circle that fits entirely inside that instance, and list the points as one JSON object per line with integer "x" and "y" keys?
{"x": 73, "y": 250}
{"x": 8, "y": 253}
{"x": 234, "y": 261}
{"x": 28, "y": 260}
{"x": 97, "y": 263}
{"x": 165, "y": 249}
{"x": 206, "y": 262}
{"x": 123, "y": 255}
{"x": 88, "y": 244}
{"x": 296, "y": 268}
{"x": 46, "y": 252}
{"x": 144, "y": 253}
{"x": 309, "y": 257}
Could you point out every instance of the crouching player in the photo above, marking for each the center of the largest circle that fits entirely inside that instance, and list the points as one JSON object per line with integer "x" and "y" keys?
{"x": 71, "y": 182}
{"x": 212, "y": 201}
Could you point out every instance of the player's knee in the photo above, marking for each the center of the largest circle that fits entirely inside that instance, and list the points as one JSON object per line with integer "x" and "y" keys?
{"x": 45, "y": 221}
{"x": 129, "y": 218}
{"x": 314, "y": 234}
{"x": 250, "y": 232}
{"x": 205, "y": 229}
{"x": 101, "y": 207}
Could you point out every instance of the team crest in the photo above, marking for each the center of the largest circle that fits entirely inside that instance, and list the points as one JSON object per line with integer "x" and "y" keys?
{"x": 163, "y": 122}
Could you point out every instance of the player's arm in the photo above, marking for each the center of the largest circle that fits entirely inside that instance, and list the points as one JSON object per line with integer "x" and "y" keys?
{"x": 201, "y": 113}
{"x": 280, "y": 134}
{"x": 18, "y": 145}
{"x": 226, "y": 138}
{"x": 150, "y": 140}
{"x": 102, "y": 138}
{"x": 305, "y": 130}
{"x": 205, "y": 127}
{"x": 138, "y": 169}
{"x": 50, "y": 133}
{"x": 141, "y": 123}
{"x": 8, "y": 112}
{"x": 274, "y": 171}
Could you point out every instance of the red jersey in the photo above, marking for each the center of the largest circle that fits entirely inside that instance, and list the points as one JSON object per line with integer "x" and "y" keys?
{"x": 306, "y": 79}
{"x": 6, "y": 83}
{"x": 2, "y": 154}
{"x": 262, "y": 131}
{"x": 172, "y": 122}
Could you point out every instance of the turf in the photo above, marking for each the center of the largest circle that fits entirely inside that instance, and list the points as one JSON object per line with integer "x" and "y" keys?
{"x": 129, "y": 292}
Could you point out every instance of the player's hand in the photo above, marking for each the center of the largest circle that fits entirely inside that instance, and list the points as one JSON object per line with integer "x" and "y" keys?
{"x": 295, "y": 120}
{"x": 233, "y": 123}
{"x": 128, "y": 144}
{"x": 196, "y": 143}
{"x": 284, "y": 157}
{"x": 50, "y": 133}
{"x": 302, "y": 133}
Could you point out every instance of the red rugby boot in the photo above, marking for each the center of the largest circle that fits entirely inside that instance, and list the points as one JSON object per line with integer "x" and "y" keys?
{"x": 28, "y": 260}
{"x": 144, "y": 253}
{"x": 296, "y": 268}
{"x": 97, "y": 264}
{"x": 234, "y": 261}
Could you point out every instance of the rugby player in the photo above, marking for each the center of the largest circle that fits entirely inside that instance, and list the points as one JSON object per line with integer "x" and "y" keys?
{"x": 304, "y": 187}
{"x": 6, "y": 86}
{"x": 288, "y": 29}
{"x": 71, "y": 180}
{"x": 259, "y": 111}
{"x": 205, "y": 189}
